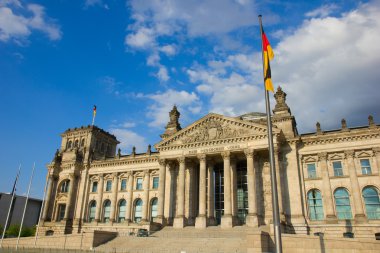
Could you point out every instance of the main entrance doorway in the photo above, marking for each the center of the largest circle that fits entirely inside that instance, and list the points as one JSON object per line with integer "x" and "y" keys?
{"x": 241, "y": 192}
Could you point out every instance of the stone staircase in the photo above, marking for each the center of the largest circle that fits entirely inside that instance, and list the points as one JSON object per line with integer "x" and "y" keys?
{"x": 186, "y": 240}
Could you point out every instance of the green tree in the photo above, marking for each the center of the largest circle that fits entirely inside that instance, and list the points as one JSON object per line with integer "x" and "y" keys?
{"x": 13, "y": 230}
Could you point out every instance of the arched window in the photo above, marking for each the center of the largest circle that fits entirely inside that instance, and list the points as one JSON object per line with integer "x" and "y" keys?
{"x": 106, "y": 210}
{"x": 82, "y": 143}
{"x": 65, "y": 185}
{"x": 314, "y": 199}
{"x": 138, "y": 210}
{"x": 342, "y": 204}
{"x": 153, "y": 208}
{"x": 76, "y": 144}
{"x": 372, "y": 202}
{"x": 92, "y": 211}
{"x": 122, "y": 208}
{"x": 69, "y": 144}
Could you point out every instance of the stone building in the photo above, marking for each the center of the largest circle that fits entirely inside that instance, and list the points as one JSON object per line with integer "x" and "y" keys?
{"x": 215, "y": 172}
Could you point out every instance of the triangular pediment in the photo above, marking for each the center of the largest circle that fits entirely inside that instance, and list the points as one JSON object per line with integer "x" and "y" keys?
{"x": 214, "y": 127}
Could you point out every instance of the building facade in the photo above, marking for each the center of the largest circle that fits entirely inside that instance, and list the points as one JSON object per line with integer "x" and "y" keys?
{"x": 215, "y": 172}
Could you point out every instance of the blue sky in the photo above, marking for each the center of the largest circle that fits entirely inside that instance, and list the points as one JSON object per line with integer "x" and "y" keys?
{"x": 135, "y": 59}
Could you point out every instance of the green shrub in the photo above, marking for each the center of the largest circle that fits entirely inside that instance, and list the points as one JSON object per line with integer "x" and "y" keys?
{"x": 13, "y": 231}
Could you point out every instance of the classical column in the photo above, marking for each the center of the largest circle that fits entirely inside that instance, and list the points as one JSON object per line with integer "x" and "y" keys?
{"x": 376, "y": 154}
{"x": 69, "y": 197}
{"x": 326, "y": 191}
{"x": 234, "y": 207}
{"x": 48, "y": 195}
{"x": 99, "y": 197}
{"x": 179, "y": 221}
{"x": 114, "y": 197}
{"x": 279, "y": 188}
{"x": 161, "y": 191}
{"x": 210, "y": 193}
{"x": 227, "y": 217}
{"x": 128, "y": 216}
{"x": 201, "y": 221}
{"x": 356, "y": 193}
{"x": 251, "y": 219}
{"x": 189, "y": 194}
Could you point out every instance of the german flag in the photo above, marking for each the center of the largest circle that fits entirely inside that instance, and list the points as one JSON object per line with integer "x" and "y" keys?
{"x": 94, "y": 110}
{"x": 268, "y": 55}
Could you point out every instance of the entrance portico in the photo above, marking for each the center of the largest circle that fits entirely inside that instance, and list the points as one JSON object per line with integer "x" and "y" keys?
{"x": 213, "y": 174}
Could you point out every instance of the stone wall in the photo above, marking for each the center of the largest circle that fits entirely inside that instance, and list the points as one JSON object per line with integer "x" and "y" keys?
{"x": 84, "y": 241}
{"x": 264, "y": 242}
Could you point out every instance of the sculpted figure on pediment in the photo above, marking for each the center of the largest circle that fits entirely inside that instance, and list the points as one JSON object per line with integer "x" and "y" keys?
{"x": 214, "y": 130}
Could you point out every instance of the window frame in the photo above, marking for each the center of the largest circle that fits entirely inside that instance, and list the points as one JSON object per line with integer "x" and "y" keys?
{"x": 335, "y": 170}
{"x": 108, "y": 185}
{"x": 94, "y": 187}
{"x": 155, "y": 182}
{"x": 368, "y": 172}
{"x": 317, "y": 216}
{"x": 139, "y": 183}
{"x": 309, "y": 175}
{"x": 339, "y": 206}
{"x": 123, "y": 184}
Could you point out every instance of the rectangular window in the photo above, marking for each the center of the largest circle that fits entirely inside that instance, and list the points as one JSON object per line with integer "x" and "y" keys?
{"x": 94, "y": 187}
{"x": 338, "y": 169}
{"x": 311, "y": 170}
{"x": 123, "y": 185}
{"x": 108, "y": 185}
{"x": 61, "y": 212}
{"x": 366, "y": 166}
{"x": 139, "y": 184}
{"x": 155, "y": 183}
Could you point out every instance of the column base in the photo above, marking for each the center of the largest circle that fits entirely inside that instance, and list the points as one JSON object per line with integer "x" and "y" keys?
{"x": 227, "y": 221}
{"x": 160, "y": 219}
{"x": 179, "y": 222}
{"x": 201, "y": 222}
{"x": 251, "y": 220}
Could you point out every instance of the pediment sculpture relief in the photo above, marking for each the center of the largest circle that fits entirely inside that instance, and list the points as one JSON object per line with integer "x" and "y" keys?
{"x": 213, "y": 130}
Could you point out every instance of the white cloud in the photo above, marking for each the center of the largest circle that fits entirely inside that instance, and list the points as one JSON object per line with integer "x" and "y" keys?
{"x": 323, "y": 11}
{"x": 329, "y": 67}
{"x": 169, "y": 50}
{"x": 129, "y": 139}
{"x": 143, "y": 38}
{"x": 188, "y": 103}
{"x": 17, "y": 22}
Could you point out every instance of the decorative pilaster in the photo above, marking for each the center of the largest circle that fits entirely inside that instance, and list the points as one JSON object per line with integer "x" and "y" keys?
{"x": 251, "y": 219}
{"x": 326, "y": 191}
{"x": 356, "y": 193}
{"x": 227, "y": 217}
{"x": 146, "y": 196}
{"x": 279, "y": 188}
{"x": 189, "y": 193}
{"x": 48, "y": 196}
{"x": 179, "y": 221}
{"x": 201, "y": 221}
{"x": 161, "y": 191}
{"x": 70, "y": 197}
{"x": 99, "y": 197}
{"x": 128, "y": 215}
{"x": 114, "y": 197}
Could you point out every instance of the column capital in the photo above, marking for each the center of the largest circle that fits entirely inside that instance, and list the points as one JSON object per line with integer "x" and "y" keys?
{"x": 249, "y": 153}
{"x": 129, "y": 174}
{"x": 181, "y": 159}
{"x": 226, "y": 155}
{"x": 322, "y": 156}
{"x": 162, "y": 162}
{"x": 349, "y": 154}
{"x": 202, "y": 157}
{"x": 101, "y": 176}
{"x": 115, "y": 174}
{"x": 146, "y": 173}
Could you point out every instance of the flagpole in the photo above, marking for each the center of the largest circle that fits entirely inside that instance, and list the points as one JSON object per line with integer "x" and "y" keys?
{"x": 42, "y": 207}
{"x": 276, "y": 212}
{"x": 93, "y": 115}
{"x": 10, "y": 206}
{"x": 26, "y": 203}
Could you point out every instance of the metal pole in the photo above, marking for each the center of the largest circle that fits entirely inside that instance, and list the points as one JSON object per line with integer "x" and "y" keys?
{"x": 42, "y": 207}
{"x": 10, "y": 206}
{"x": 26, "y": 203}
{"x": 276, "y": 212}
